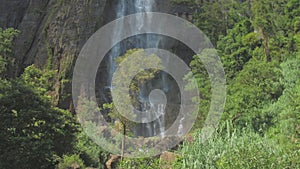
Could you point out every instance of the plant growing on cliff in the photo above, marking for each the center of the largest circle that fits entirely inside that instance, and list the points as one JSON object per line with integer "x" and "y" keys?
{"x": 6, "y": 45}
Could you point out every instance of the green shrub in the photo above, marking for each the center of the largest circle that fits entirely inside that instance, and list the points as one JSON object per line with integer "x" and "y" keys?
{"x": 140, "y": 163}
{"x": 69, "y": 162}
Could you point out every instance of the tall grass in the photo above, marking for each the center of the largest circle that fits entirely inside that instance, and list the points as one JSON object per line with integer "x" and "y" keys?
{"x": 229, "y": 148}
{"x": 238, "y": 149}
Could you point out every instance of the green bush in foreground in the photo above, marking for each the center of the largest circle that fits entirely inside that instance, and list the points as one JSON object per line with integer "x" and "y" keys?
{"x": 140, "y": 163}
{"x": 72, "y": 161}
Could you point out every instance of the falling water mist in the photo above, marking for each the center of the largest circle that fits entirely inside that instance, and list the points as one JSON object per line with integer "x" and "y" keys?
{"x": 156, "y": 108}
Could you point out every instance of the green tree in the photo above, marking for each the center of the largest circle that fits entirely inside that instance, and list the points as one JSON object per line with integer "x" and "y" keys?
{"x": 40, "y": 80}
{"x": 216, "y": 17}
{"x": 256, "y": 86}
{"x": 236, "y": 48}
{"x": 288, "y": 105}
{"x": 72, "y": 161}
{"x": 32, "y": 130}
{"x": 6, "y": 44}
{"x": 91, "y": 153}
{"x": 269, "y": 21}
{"x": 203, "y": 83}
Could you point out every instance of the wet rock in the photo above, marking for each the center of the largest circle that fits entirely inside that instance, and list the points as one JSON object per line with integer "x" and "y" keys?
{"x": 112, "y": 162}
{"x": 167, "y": 158}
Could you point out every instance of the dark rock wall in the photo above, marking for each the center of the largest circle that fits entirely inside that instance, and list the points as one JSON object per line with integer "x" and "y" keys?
{"x": 12, "y": 12}
{"x": 53, "y": 33}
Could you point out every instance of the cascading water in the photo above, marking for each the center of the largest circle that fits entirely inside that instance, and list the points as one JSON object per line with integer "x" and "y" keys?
{"x": 156, "y": 108}
{"x": 180, "y": 128}
{"x": 161, "y": 113}
{"x": 116, "y": 50}
{"x": 124, "y": 8}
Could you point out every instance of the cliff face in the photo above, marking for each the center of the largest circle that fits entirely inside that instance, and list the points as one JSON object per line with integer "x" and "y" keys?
{"x": 12, "y": 12}
{"x": 53, "y": 33}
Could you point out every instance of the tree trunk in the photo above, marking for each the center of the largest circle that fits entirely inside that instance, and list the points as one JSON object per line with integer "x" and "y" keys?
{"x": 266, "y": 45}
{"x": 267, "y": 49}
{"x": 123, "y": 140}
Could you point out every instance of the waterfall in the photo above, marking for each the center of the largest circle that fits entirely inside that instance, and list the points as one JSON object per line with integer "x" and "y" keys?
{"x": 180, "y": 127}
{"x": 161, "y": 120}
{"x": 116, "y": 50}
{"x": 123, "y": 8}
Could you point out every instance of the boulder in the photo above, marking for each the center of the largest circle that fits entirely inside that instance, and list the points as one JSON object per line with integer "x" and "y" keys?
{"x": 111, "y": 163}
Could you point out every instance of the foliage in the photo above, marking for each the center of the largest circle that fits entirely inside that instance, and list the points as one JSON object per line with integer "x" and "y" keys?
{"x": 203, "y": 83}
{"x": 216, "y": 17}
{"x": 72, "y": 161}
{"x": 237, "y": 149}
{"x": 6, "y": 45}
{"x": 38, "y": 79}
{"x": 236, "y": 48}
{"x": 134, "y": 65}
{"x": 33, "y": 132}
{"x": 288, "y": 105}
{"x": 91, "y": 153}
{"x": 256, "y": 85}
{"x": 140, "y": 163}
{"x": 259, "y": 45}
{"x": 31, "y": 128}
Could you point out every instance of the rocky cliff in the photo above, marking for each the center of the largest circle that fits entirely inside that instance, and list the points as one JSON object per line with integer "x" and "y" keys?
{"x": 52, "y": 35}
{"x": 54, "y": 31}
